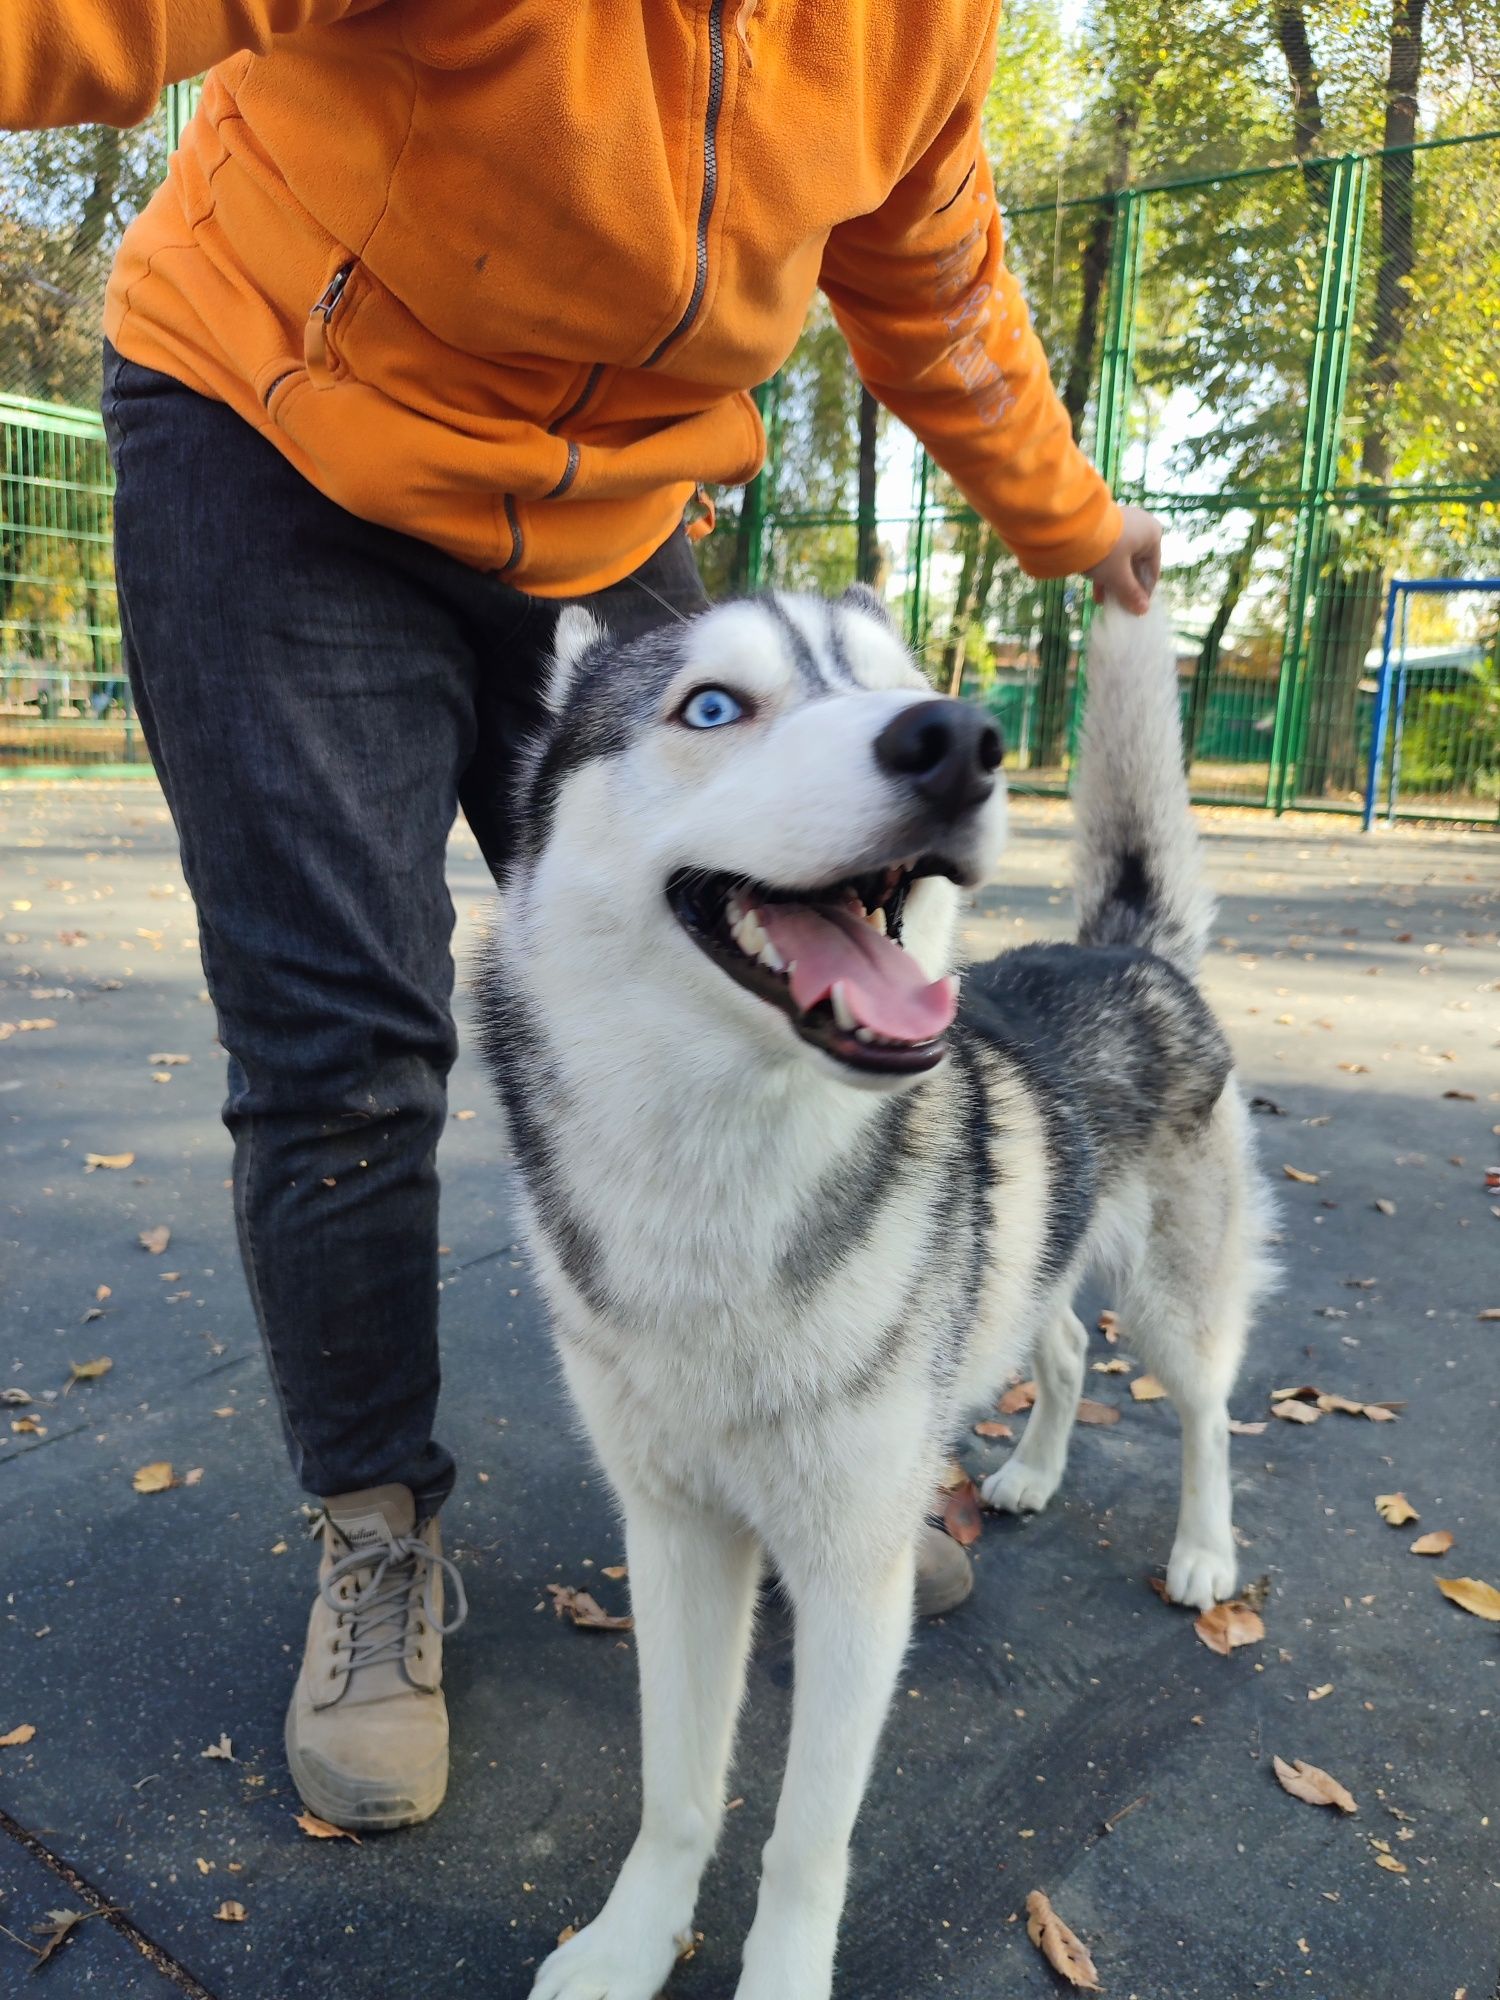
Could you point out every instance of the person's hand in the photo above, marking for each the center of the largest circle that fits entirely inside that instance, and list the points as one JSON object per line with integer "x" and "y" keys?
{"x": 1128, "y": 574}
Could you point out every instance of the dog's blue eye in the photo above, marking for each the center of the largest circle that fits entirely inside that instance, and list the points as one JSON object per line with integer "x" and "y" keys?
{"x": 711, "y": 708}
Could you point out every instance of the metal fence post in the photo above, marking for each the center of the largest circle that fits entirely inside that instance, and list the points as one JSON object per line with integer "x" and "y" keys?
{"x": 1327, "y": 388}
{"x": 1382, "y": 706}
{"x": 1117, "y": 354}
{"x": 1116, "y": 389}
{"x": 916, "y": 554}
{"x": 754, "y": 502}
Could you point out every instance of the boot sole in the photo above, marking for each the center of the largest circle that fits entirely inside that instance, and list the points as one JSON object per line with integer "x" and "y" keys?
{"x": 363, "y": 1805}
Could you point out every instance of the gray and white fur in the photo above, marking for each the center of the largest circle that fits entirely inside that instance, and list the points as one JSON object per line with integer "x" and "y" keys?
{"x": 778, "y": 1283}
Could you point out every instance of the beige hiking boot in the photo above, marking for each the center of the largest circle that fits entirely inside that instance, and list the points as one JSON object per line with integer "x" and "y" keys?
{"x": 367, "y": 1731}
{"x": 945, "y": 1576}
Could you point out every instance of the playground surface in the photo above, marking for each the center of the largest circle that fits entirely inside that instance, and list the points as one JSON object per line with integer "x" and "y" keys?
{"x": 1064, "y": 1731}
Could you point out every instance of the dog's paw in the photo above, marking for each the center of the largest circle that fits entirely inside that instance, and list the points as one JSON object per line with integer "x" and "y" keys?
{"x": 606, "y": 1962}
{"x": 1018, "y": 1488}
{"x": 1201, "y": 1577}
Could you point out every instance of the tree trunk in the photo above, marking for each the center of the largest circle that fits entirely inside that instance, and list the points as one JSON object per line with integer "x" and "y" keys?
{"x": 1397, "y": 237}
{"x": 1343, "y": 631}
{"x": 1208, "y": 653}
{"x": 1350, "y": 599}
{"x": 867, "y": 553}
{"x": 1307, "y": 102}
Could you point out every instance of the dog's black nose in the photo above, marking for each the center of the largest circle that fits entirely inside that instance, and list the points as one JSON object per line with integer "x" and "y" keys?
{"x": 948, "y": 751}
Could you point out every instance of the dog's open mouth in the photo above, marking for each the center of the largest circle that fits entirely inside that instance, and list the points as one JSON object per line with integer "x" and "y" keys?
{"x": 831, "y": 959}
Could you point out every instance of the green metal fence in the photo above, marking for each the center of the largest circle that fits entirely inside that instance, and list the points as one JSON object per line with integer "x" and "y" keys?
{"x": 1297, "y": 367}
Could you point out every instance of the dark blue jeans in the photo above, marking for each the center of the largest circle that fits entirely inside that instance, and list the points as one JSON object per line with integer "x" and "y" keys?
{"x": 320, "y": 696}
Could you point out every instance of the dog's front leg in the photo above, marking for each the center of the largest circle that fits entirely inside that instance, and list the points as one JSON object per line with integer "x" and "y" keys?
{"x": 692, "y": 1589}
{"x": 853, "y": 1623}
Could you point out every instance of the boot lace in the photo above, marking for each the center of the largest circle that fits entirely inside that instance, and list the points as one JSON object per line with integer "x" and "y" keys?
{"x": 379, "y": 1627}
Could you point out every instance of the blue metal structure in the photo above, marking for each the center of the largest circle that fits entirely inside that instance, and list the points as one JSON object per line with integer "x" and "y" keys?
{"x": 1394, "y": 673}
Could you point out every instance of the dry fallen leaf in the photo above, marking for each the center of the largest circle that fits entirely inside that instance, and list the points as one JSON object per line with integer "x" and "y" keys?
{"x": 1108, "y": 1324}
{"x": 155, "y": 1240}
{"x": 115, "y": 1160}
{"x": 1472, "y": 1595}
{"x": 1116, "y": 1365}
{"x": 1146, "y": 1389}
{"x": 1229, "y": 1625}
{"x": 154, "y": 1478}
{"x": 1306, "y": 1781}
{"x": 170, "y": 1061}
{"x": 23, "y": 1734}
{"x": 230, "y": 1913}
{"x": 192, "y": 1478}
{"x": 59, "y": 1930}
{"x": 223, "y": 1748}
{"x": 1396, "y": 1509}
{"x": 1296, "y": 1174}
{"x": 1320, "y": 1693}
{"x": 961, "y": 1516}
{"x": 1063, "y": 1950}
{"x": 1437, "y": 1543}
{"x": 1390, "y": 1862}
{"x": 13, "y": 1399}
{"x": 1490, "y": 1312}
{"x": 616, "y": 1572}
{"x": 1296, "y": 1413}
{"x": 585, "y": 1611}
{"x": 988, "y": 1428}
{"x": 1019, "y": 1396}
{"x": 1246, "y": 1430}
{"x": 88, "y": 1371}
{"x": 567, "y": 1931}
{"x": 322, "y": 1829}
{"x": 1097, "y": 1413}
{"x": 1385, "y": 1207}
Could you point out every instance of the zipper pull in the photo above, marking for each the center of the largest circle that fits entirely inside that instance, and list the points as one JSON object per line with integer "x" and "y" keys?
{"x": 315, "y": 338}
{"x": 333, "y": 291}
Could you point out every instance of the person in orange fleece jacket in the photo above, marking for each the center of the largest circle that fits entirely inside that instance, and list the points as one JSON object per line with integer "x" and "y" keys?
{"x": 441, "y": 316}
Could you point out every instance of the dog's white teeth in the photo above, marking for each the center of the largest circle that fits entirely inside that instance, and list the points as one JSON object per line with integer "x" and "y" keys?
{"x": 842, "y": 1012}
{"x": 876, "y": 920}
{"x": 863, "y": 1035}
{"x": 769, "y": 956}
{"x": 749, "y": 934}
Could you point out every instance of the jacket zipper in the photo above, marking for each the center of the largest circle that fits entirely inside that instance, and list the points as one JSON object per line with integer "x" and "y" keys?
{"x": 710, "y": 180}
{"x": 700, "y": 277}
{"x": 333, "y": 291}
{"x": 320, "y": 317}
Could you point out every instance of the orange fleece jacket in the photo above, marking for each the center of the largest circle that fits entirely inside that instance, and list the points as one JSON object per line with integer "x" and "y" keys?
{"x": 502, "y": 273}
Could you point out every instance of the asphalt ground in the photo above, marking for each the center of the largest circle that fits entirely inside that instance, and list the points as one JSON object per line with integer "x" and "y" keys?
{"x": 1358, "y": 978}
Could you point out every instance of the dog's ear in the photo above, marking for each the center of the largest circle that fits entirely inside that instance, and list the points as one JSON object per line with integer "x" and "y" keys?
{"x": 860, "y": 597}
{"x": 577, "y": 631}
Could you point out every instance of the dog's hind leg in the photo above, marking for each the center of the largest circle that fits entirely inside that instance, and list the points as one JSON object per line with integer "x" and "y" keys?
{"x": 1030, "y": 1476}
{"x": 1186, "y": 1312}
{"x": 692, "y": 1588}
{"x": 1193, "y": 1348}
{"x": 853, "y": 1620}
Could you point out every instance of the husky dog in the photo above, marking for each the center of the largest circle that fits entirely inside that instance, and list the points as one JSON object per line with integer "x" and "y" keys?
{"x": 796, "y": 1210}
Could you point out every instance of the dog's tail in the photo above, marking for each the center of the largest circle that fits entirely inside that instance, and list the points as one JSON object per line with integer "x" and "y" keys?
{"x": 1138, "y": 872}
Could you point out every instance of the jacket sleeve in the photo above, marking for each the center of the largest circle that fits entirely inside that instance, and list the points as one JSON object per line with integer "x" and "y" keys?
{"x": 940, "y": 333}
{"x": 106, "y": 62}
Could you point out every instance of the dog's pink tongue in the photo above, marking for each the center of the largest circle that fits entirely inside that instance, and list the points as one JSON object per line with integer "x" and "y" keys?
{"x": 885, "y": 990}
